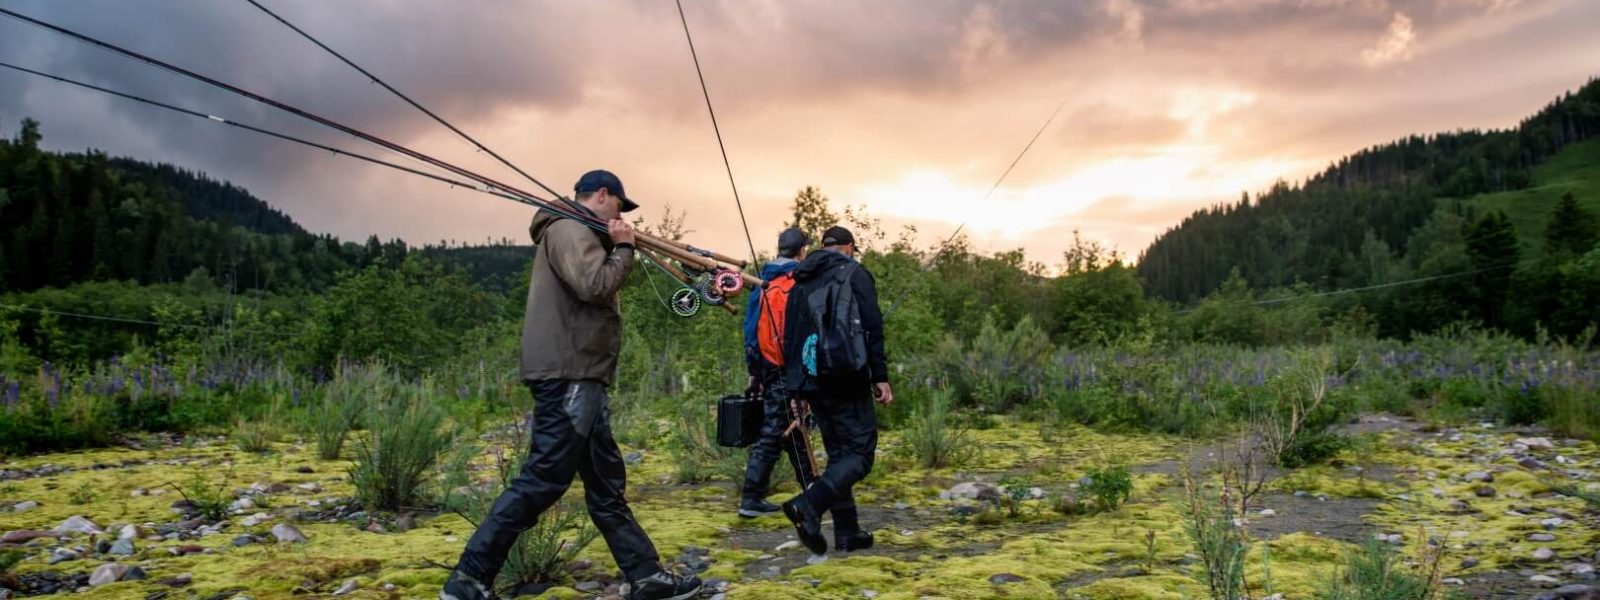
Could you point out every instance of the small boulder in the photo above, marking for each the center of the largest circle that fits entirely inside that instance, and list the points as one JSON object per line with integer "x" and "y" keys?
{"x": 1267, "y": 512}
{"x": 79, "y": 525}
{"x": 243, "y": 540}
{"x": 1536, "y": 443}
{"x": 588, "y": 587}
{"x": 1545, "y": 580}
{"x": 23, "y": 536}
{"x": 1530, "y": 463}
{"x": 1544, "y": 554}
{"x": 1479, "y": 476}
{"x": 24, "y": 506}
{"x": 1541, "y": 537}
{"x": 135, "y": 574}
{"x": 107, "y": 573}
{"x": 62, "y": 555}
{"x": 1468, "y": 563}
{"x": 122, "y": 548}
{"x": 1484, "y": 491}
{"x": 971, "y": 490}
{"x": 288, "y": 534}
{"x": 128, "y": 532}
{"x": 1552, "y": 523}
{"x": 1004, "y": 578}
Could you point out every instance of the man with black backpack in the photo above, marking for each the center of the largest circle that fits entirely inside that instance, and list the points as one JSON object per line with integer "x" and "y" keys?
{"x": 763, "y": 335}
{"x": 834, "y": 359}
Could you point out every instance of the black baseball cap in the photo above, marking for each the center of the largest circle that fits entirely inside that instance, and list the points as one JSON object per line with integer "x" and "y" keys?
{"x": 792, "y": 239}
{"x": 837, "y": 236}
{"x": 601, "y": 178}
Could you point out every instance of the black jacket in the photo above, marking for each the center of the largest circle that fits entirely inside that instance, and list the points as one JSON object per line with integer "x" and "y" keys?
{"x": 797, "y": 325}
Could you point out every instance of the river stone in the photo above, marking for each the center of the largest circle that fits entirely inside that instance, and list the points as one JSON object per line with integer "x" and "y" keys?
{"x": 1552, "y": 522}
{"x": 588, "y": 587}
{"x": 135, "y": 574}
{"x": 1536, "y": 443}
{"x": 1541, "y": 537}
{"x": 62, "y": 555}
{"x": 1469, "y": 563}
{"x": 24, "y": 506}
{"x": 79, "y": 524}
{"x": 1004, "y": 578}
{"x": 122, "y": 548}
{"x": 1484, "y": 491}
{"x": 1544, "y": 580}
{"x": 1544, "y": 554}
{"x": 789, "y": 545}
{"x": 1481, "y": 476}
{"x": 23, "y": 536}
{"x": 107, "y": 573}
{"x": 971, "y": 490}
{"x": 288, "y": 534}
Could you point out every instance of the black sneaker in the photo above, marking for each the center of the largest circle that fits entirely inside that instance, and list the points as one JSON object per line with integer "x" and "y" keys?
{"x": 859, "y": 540}
{"x": 664, "y": 586}
{"x": 806, "y": 524}
{"x": 751, "y": 508}
{"x": 461, "y": 586}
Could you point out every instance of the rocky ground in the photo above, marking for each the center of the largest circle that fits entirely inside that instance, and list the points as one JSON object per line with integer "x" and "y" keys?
{"x": 113, "y": 524}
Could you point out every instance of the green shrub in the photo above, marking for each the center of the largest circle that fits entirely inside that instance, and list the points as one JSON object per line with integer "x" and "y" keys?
{"x": 338, "y": 408}
{"x": 1109, "y": 487}
{"x": 933, "y": 435}
{"x": 256, "y": 436}
{"x": 1210, "y": 522}
{"x": 211, "y": 501}
{"x": 693, "y": 447}
{"x": 1374, "y": 571}
{"x": 405, "y": 440}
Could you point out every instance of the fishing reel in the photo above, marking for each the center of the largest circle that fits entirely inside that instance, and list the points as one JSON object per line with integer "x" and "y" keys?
{"x": 727, "y": 282}
{"x": 685, "y": 302}
{"x": 709, "y": 292}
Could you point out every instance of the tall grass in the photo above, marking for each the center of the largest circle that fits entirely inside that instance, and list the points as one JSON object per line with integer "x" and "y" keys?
{"x": 1212, "y": 525}
{"x": 1374, "y": 571}
{"x": 338, "y": 410}
{"x": 934, "y": 437}
{"x": 406, "y": 439}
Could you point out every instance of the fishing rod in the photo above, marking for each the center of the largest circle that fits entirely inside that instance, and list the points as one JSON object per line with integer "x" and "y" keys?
{"x": 681, "y": 307}
{"x": 700, "y": 262}
{"x": 294, "y": 139}
{"x": 413, "y": 103}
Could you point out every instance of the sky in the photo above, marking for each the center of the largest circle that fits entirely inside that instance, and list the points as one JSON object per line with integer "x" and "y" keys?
{"x": 909, "y": 108}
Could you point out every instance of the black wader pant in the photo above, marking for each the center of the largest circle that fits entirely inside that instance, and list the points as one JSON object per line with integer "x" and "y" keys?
{"x": 764, "y": 453}
{"x": 849, "y": 425}
{"x": 571, "y": 436}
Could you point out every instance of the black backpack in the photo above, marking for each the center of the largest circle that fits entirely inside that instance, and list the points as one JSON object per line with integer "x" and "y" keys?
{"x": 839, "y": 345}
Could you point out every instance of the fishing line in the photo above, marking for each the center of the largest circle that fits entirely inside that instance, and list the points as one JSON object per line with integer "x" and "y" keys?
{"x": 992, "y": 188}
{"x": 754, "y": 259}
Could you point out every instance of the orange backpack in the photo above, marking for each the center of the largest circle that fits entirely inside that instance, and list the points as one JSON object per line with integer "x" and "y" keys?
{"x": 769, "y": 326}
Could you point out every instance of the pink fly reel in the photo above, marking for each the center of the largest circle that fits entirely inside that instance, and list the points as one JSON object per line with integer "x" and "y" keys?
{"x": 727, "y": 282}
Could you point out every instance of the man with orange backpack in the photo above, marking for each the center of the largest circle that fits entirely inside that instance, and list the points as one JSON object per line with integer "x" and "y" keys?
{"x": 763, "y": 349}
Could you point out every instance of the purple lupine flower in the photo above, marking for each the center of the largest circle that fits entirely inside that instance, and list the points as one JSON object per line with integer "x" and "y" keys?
{"x": 13, "y": 391}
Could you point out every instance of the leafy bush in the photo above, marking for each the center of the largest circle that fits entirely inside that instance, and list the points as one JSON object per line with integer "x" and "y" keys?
{"x": 1109, "y": 487}
{"x": 211, "y": 501}
{"x": 405, "y": 440}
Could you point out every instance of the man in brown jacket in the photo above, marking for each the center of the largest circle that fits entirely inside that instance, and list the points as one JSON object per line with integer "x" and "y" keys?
{"x": 571, "y": 334}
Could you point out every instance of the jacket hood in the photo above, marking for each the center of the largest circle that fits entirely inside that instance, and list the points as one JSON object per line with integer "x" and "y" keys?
{"x": 778, "y": 266}
{"x": 541, "y": 222}
{"x": 819, "y": 262}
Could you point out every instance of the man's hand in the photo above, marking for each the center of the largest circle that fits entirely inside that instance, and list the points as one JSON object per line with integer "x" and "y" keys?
{"x": 884, "y": 395}
{"x": 621, "y": 232}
